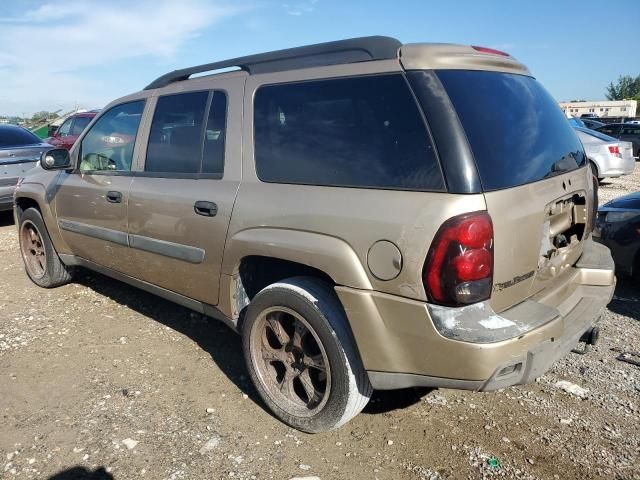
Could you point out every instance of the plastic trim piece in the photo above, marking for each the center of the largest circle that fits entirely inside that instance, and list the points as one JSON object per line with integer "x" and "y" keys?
{"x": 322, "y": 54}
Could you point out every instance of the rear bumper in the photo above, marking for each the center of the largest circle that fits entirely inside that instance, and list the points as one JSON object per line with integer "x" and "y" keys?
{"x": 616, "y": 166}
{"x": 400, "y": 346}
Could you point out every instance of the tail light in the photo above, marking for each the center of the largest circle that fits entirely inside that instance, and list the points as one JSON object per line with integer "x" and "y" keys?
{"x": 615, "y": 150}
{"x": 490, "y": 51}
{"x": 459, "y": 266}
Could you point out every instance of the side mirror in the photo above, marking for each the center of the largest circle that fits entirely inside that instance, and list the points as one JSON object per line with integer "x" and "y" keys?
{"x": 56, "y": 159}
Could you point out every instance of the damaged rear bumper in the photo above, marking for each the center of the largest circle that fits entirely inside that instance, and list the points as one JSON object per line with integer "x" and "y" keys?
{"x": 402, "y": 346}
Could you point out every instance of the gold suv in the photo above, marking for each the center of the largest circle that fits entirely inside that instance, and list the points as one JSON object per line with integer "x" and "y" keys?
{"x": 366, "y": 214}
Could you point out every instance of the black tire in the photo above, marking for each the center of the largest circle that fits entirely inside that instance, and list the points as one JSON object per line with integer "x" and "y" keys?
{"x": 321, "y": 309}
{"x": 53, "y": 272}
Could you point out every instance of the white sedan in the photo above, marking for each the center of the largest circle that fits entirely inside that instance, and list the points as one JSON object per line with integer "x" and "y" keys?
{"x": 608, "y": 156}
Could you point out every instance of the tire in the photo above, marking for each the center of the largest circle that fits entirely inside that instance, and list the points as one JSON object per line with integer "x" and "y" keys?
{"x": 299, "y": 303}
{"x": 41, "y": 261}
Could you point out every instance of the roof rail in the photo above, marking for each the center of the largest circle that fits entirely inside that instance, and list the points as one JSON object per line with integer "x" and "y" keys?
{"x": 330, "y": 53}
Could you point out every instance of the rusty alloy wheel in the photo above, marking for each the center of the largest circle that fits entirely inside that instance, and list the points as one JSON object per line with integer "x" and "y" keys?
{"x": 290, "y": 361}
{"x": 33, "y": 251}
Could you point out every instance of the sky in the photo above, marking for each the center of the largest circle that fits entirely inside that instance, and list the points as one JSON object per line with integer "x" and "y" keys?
{"x": 84, "y": 53}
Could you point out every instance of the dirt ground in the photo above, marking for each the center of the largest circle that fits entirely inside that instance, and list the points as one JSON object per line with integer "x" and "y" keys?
{"x": 99, "y": 380}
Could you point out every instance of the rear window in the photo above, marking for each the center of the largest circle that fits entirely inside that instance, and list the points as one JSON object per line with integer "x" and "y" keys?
{"x": 16, "y": 137}
{"x": 351, "y": 132}
{"x": 516, "y": 130}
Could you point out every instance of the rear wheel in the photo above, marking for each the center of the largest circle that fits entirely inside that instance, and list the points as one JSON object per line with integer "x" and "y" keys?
{"x": 41, "y": 261}
{"x": 301, "y": 355}
{"x": 594, "y": 171}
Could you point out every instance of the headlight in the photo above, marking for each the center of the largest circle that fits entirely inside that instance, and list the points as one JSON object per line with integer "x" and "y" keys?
{"x": 613, "y": 217}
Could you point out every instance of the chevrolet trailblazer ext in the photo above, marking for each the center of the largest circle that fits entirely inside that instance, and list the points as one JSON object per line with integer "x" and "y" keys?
{"x": 366, "y": 214}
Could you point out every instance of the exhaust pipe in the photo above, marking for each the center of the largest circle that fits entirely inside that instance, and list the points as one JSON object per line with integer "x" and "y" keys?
{"x": 590, "y": 337}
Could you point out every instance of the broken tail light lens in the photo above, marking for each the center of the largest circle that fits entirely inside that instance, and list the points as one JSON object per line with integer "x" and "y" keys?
{"x": 459, "y": 266}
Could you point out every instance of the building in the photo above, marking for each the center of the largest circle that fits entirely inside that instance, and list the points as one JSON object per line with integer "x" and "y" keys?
{"x": 604, "y": 108}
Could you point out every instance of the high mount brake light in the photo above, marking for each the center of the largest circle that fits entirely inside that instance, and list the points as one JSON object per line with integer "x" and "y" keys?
{"x": 459, "y": 267}
{"x": 491, "y": 51}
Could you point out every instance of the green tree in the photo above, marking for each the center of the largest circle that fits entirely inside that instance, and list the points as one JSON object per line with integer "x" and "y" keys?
{"x": 625, "y": 88}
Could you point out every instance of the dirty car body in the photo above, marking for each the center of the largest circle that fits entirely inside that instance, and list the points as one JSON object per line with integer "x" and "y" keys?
{"x": 451, "y": 225}
{"x": 19, "y": 152}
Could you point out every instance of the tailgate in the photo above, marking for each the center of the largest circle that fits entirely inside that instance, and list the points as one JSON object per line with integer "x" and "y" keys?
{"x": 538, "y": 233}
{"x": 532, "y": 168}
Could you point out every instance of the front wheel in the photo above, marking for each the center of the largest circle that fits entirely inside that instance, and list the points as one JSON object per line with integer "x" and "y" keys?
{"x": 301, "y": 355}
{"x": 41, "y": 261}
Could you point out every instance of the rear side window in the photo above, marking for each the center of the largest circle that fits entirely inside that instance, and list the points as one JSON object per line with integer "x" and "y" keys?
{"x": 184, "y": 138}
{"x": 516, "y": 130}
{"x": 351, "y": 132}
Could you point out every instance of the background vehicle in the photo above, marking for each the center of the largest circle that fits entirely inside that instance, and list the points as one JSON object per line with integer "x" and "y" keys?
{"x": 609, "y": 157}
{"x": 589, "y": 115}
{"x": 592, "y": 124}
{"x": 618, "y": 227}
{"x": 346, "y": 209}
{"x": 19, "y": 151}
{"x": 576, "y": 122}
{"x": 66, "y": 135}
{"x": 624, "y": 131}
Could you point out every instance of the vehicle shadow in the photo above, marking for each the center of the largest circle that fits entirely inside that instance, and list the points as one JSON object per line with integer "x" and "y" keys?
{"x": 6, "y": 218}
{"x": 384, "y": 401}
{"x": 215, "y": 338}
{"x": 626, "y": 299}
{"x": 81, "y": 473}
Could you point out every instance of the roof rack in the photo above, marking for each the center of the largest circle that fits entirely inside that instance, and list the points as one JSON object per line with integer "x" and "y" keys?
{"x": 330, "y": 53}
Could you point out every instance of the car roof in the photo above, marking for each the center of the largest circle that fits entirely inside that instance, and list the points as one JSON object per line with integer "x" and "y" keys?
{"x": 418, "y": 56}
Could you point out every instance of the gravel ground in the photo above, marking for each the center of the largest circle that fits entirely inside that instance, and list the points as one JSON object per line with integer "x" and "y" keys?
{"x": 99, "y": 380}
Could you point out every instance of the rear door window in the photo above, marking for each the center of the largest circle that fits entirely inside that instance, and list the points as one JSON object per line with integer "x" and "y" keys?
{"x": 516, "y": 130}
{"x": 184, "y": 138}
{"x": 348, "y": 132}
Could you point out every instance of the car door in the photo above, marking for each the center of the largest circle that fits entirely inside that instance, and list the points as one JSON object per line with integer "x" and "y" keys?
{"x": 631, "y": 133}
{"x": 91, "y": 201}
{"x": 181, "y": 200}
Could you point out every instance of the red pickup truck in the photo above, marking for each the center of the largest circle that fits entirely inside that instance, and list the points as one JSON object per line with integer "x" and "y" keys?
{"x": 70, "y": 130}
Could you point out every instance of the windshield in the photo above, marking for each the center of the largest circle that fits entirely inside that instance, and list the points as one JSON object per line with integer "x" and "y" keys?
{"x": 516, "y": 130}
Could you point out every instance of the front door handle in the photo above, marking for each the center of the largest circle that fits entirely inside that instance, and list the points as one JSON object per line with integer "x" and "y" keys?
{"x": 207, "y": 209}
{"x": 114, "y": 197}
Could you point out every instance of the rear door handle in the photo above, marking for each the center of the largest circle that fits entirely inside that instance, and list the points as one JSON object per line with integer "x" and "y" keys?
{"x": 114, "y": 197}
{"x": 206, "y": 209}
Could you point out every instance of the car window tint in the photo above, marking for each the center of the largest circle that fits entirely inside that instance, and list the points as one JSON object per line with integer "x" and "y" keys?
{"x": 108, "y": 145}
{"x": 214, "y": 137}
{"x": 609, "y": 130}
{"x": 79, "y": 124}
{"x": 350, "y": 132}
{"x": 631, "y": 130}
{"x": 65, "y": 128}
{"x": 16, "y": 137}
{"x": 516, "y": 130}
{"x": 175, "y": 140}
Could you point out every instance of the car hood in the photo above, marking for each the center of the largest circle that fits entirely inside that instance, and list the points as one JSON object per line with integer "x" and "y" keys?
{"x": 626, "y": 202}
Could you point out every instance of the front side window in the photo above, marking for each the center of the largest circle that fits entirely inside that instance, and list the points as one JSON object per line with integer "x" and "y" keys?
{"x": 108, "y": 146}
{"x": 184, "y": 138}
{"x": 349, "y": 132}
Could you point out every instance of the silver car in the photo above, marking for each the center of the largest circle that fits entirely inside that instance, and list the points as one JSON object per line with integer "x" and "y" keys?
{"x": 608, "y": 156}
{"x": 19, "y": 151}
